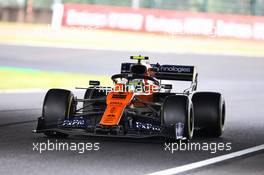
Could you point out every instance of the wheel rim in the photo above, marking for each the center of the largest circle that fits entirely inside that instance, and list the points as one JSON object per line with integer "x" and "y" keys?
{"x": 223, "y": 111}
{"x": 191, "y": 123}
{"x": 70, "y": 107}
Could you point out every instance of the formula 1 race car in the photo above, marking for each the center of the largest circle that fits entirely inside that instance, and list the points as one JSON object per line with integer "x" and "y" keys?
{"x": 138, "y": 105}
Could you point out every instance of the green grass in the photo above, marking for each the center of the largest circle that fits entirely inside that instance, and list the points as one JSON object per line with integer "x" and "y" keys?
{"x": 21, "y": 78}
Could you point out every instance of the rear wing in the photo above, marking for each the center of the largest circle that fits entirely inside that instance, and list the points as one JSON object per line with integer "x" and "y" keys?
{"x": 168, "y": 72}
{"x": 175, "y": 72}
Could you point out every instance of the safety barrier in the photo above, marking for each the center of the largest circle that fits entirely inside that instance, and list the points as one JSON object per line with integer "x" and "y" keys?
{"x": 159, "y": 21}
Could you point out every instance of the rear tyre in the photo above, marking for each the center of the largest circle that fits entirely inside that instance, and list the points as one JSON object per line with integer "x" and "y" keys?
{"x": 92, "y": 93}
{"x": 178, "y": 109}
{"x": 209, "y": 113}
{"x": 58, "y": 105}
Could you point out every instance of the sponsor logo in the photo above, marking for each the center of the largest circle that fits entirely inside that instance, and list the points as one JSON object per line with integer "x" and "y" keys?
{"x": 147, "y": 126}
{"x": 111, "y": 115}
{"x": 176, "y": 69}
{"x": 78, "y": 123}
{"x": 119, "y": 96}
{"x": 115, "y": 103}
{"x": 113, "y": 110}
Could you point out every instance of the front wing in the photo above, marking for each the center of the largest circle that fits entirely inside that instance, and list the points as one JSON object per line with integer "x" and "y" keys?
{"x": 80, "y": 126}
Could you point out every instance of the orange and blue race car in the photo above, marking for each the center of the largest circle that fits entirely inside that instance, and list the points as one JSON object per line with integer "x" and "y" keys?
{"x": 138, "y": 105}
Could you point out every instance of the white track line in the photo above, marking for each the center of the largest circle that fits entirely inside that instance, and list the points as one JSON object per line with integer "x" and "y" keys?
{"x": 211, "y": 161}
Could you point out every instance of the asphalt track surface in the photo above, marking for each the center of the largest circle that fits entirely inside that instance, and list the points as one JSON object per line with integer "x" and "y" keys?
{"x": 240, "y": 79}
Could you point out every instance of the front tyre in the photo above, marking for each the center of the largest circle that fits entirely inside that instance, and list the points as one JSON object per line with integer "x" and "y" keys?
{"x": 58, "y": 105}
{"x": 178, "y": 109}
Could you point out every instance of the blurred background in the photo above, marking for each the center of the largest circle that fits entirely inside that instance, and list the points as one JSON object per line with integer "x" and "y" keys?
{"x": 65, "y": 43}
{"x": 40, "y": 11}
{"x": 34, "y": 32}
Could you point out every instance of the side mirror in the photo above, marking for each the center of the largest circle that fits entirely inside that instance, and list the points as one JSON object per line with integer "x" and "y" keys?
{"x": 94, "y": 83}
{"x": 166, "y": 86}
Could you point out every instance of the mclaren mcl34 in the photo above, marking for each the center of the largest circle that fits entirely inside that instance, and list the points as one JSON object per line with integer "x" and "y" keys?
{"x": 138, "y": 105}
